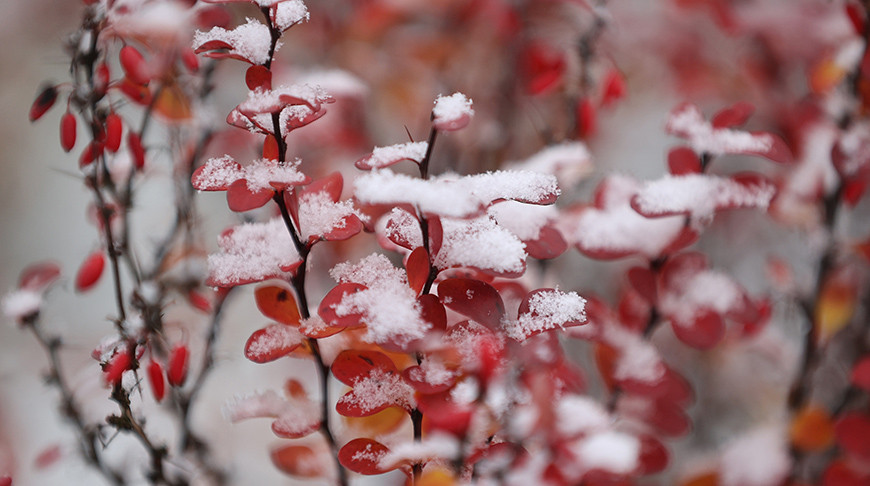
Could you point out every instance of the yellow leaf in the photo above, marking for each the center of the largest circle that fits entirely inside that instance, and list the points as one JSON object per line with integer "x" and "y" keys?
{"x": 381, "y": 423}
{"x": 835, "y": 307}
{"x": 172, "y": 103}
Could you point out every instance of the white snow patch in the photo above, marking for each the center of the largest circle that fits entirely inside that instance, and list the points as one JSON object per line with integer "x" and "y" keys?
{"x": 757, "y": 458}
{"x": 252, "y": 252}
{"x": 609, "y": 450}
{"x": 250, "y": 41}
{"x": 548, "y": 310}
{"x": 700, "y": 195}
{"x": 688, "y": 122}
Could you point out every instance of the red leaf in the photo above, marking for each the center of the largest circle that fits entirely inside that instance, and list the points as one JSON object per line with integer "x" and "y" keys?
{"x": 587, "y": 122}
{"x": 278, "y": 303}
{"x": 860, "y": 376}
{"x": 90, "y": 271}
{"x": 840, "y": 474}
{"x": 683, "y": 160}
{"x": 272, "y": 342}
{"x": 473, "y": 298}
{"x": 853, "y": 431}
{"x": 614, "y": 88}
{"x": 43, "y": 102}
{"x": 442, "y": 413}
{"x": 643, "y": 280}
{"x": 704, "y": 331}
{"x": 654, "y": 455}
{"x": 778, "y": 151}
{"x": 433, "y": 312}
{"x": 363, "y": 456}
{"x": 117, "y": 365}
{"x": 853, "y": 190}
{"x": 417, "y": 267}
{"x": 299, "y": 460}
{"x": 270, "y": 146}
{"x": 332, "y": 184}
{"x": 91, "y": 153}
{"x": 327, "y": 312}
{"x": 5, "y": 480}
{"x": 137, "y": 152}
{"x": 436, "y": 233}
{"x": 350, "y": 365}
{"x": 178, "y": 359}
{"x": 733, "y": 116}
{"x": 38, "y": 276}
{"x": 856, "y": 17}
{"x": 48, "y": 457}
{"x": 67, "y": 131}
{"x": 134, "y": 65}
{"x": 414, "y": 376}
{"x": 258, "y": 77}
{"x": 191, "y": 62}
{"x": 351, "y": 226}
{"x": 679, "y": 267}
{"x": 102, "y": 77}
{"x": 155, "y": 377}
{"x": 114, "y": 130}
{"x": 542, "y": 67}
{"x": 668, "y": 419}
{"x": 211, "y": 46}
{"x": 199, "y": 301}
{"x": 549, "y": 244}
{"x": 240, "y": 198}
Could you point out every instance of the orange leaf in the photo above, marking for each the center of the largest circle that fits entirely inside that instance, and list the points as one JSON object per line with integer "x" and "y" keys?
{"x": 378, "y": 424}
{"x": 299, "y": 460}
{"x": 278, "y": 303}
{"x": 702, "y": 479}
{"x": 811, "y": 429}
{"x": 835, "y": 307}
{"x": 172, "y": 103}
{"x": 825, "y": 75}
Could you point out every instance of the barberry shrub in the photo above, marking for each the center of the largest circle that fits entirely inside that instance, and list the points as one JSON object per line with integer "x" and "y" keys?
{"x": 435, "y": 267}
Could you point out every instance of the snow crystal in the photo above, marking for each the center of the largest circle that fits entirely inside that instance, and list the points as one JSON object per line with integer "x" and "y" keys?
{"x": 21, "y": 303}
{"x": 580, "y": 415}
{"x": 482, "y": 244}
{"x": 289, "y": 13}
{"x": 548, "y": 310}
{"x": 610, "y": 451}
{"x": 450, "y": 195}
{"x": 690, "y": 123}
{"x": 450, "y": 111}
{"x": 388, "y": 304}
{"x": 700, "y": 195}
{"x": 152, "y": 20}
{"x": 523, "y": 220}
{"x": 319, "y": 214}
{"x": 758, "y": 458}
{"x": 384, "y": 156}
{"x": 266, "y": 173}
{"x": 465, "y": 392}
{"x": 217, "y": 174}
{"x": 252, "y": 252}
{"x": 434, "y": 447}
{"x": 251, "y": 41}
{"x": 403, "y": 226}
{"x": 380, "y": 388}
{"x": 277, "y": 336}
{"x": 570, "y": 162}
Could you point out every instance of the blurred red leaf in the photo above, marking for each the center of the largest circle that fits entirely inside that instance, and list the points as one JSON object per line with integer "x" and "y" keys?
{"x": 178, "y": 361}
{"x": 134, "y": 65}
{"x": 735, "y": 115}
{"x": 350, "y": 365}
{"x": 705, "y": 329}
{"x": 114, "y": 130}
{"x": 158, "y": 382}
{"x": 683, "y": 160}
{"x": 299, "y": 460}
{"x": 38, "y": 276}
{"x": 852, "y": 431}
{"x": 43, "y": 102}
{"x": 860, "y": 376}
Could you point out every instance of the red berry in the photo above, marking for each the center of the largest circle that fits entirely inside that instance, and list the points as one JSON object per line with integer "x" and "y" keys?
{"x": 117, "y": 365}
{"x": 134, "y": 143}
{"x": 43, "y": 102}
{"x": 158, "y": 383}
{"x": 114, "y": 129}
{"x": 134, "y": 65}
{"x": 178, "y": 365}
{"x": 90, "y": 271}
{"x": 67, "y": 131}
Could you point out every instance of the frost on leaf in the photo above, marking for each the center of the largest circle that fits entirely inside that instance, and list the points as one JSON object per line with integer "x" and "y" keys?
{"x": 480, "y": 243}
{"x": 249, "y": 42}
{"x": 388, "y": 306}
{"x": 273, "y": 101}
{"x": 252, "y": 252}
{"x": 287, "y": 13}
{"x": 570, "y": 162}
{"x": 700, "y": 196}
{"x": 546, "y": 309}
{"x": 686, "y": 121}
{"x": 612, "y": 229}
{"x": 392, "y": 154}
{"x": 218, "y": 174}
{"x": 272, "y": 342}
{"x": 321, "y": 216}
{"x": 455, "y": 196}
{"x": 374, "y": 392}
{"x": 452, "y": 112}
{"x": 294, "y": 417}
